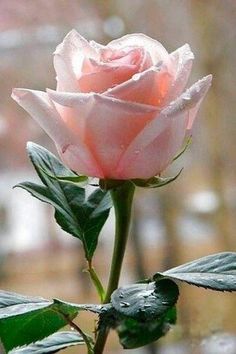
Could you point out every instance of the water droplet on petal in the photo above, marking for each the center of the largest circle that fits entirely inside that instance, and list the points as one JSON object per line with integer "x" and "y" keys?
{"x": 187, "y": 96}
{"x": 136, "y": 77}
{"x": 137, "y": 152}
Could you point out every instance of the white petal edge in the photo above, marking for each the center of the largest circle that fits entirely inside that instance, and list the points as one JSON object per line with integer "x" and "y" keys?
{"x": 155, "y": 48}
{"x": 41, "y": 108}
{"x": 182, "y": 59}
{"x": 68, "y": 58}
{"x": 78, "y": 99}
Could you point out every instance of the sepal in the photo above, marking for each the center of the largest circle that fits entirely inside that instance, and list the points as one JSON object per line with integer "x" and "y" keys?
{"x": 155, "y": 182}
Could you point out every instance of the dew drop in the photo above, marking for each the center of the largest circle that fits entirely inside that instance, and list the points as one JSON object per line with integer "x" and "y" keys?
{"x": 147, "y": 306}
{"x": 137, "y": 152}
{"x": 141, "y": 310}
{"x": 187, "y": 96}
{"x": 164, "y": 302}
{"x": 124, "y": 304}
{"x": 136, "y": 77}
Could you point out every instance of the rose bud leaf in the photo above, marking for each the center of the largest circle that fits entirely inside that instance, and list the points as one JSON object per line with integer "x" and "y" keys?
{"x": 80, "y": 215}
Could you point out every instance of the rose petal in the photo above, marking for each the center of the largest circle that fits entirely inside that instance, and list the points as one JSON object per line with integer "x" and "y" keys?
{"x": 112, "y": 70}
{"x": 182, "y": 60}
{"x": 156, "y": 49}
{"x": 68, "y": 59}
{"x": 100, "y": 81}
{"x": 41, "y": 108}
{"x": 156, "y": 156}
{"x": 149, "y": 87}
{"x": 109, "y": 124}
{"x": 157, "y": 143}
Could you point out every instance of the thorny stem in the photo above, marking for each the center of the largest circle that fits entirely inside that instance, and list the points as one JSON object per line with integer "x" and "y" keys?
{"x": 122, "y": 197}
{"x": 79, "y": 330}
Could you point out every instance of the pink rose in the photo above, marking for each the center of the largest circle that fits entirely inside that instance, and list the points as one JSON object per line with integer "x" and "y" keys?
{"x": 120, "y": 111}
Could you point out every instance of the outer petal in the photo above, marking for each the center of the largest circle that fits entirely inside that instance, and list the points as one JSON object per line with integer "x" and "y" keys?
{"x": 156, "y": 49}
{"x": 68, "y": 59}
{"x": 109, "y": 124}
{"x": 149, "y": 87}
{"x": 41, "y": 108}
{"x": 182, "y": 60}
{"x": 153, "y": 149}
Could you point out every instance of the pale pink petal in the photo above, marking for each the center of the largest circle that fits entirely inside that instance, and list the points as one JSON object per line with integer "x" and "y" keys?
{"x": 68, "y": 59}
{"x": 109, "y": 124}
{"x": 42, "y": 109}
{"x": 169, "y": 127}
{"x": 182, "y": 60}
{"x": 80, "y": 160}
{"x": 156, "y": 49}
{"x": 156, "y": 156}
{"x": 149, "y": 87}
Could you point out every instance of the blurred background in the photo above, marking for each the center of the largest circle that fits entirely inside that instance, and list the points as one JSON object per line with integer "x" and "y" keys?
{"x": 193, "y": 217}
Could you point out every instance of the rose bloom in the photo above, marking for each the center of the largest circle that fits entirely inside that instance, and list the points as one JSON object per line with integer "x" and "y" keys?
{"x": 119, "y": 111}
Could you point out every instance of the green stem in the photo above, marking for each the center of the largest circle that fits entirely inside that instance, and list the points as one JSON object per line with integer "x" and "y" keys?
{"x": 96, "y": 281}
{"x": 122, "y": 197}
{"x": 86, "y": 339}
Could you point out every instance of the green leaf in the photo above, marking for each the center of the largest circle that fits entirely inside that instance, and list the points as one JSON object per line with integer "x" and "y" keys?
{"x": 52, "y": 344}
{"x": 141, "y": 313}
{"x": 135, "y": 334}
{"x": 187, "y": 144}
{"x": 46, "y": 164}
{"x": 216, "y": 272}
{"x": 79, "y": 307}
{"x": 155, "y": 182}
{"x": 26, "y": 319}
{"x": 78, "y": 214}
{"x": 145, "y": 301}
